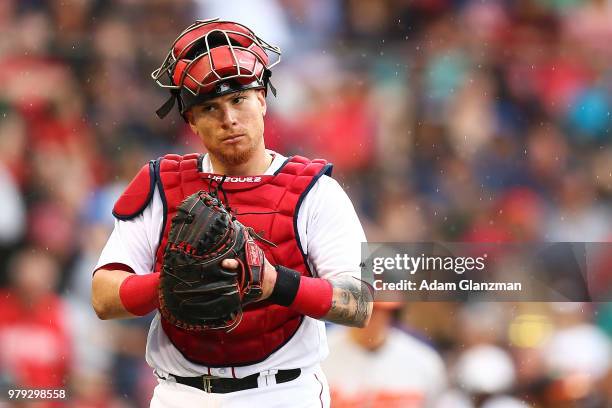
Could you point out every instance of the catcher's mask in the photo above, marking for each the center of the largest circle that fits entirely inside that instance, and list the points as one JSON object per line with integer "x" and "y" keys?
{"x": 211, "y": 58}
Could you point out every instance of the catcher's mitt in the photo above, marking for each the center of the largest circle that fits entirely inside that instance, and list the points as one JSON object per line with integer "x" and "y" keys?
{"x": 195, "y": 292}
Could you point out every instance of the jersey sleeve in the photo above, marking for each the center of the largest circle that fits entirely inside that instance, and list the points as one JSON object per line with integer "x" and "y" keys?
{"x": 134, "y": 242}
{"x": 333, "y": 233}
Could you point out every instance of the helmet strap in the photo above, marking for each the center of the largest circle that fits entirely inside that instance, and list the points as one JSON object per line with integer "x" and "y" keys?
{"x": 168, "y": 105}
{"x": 267, "y": 82}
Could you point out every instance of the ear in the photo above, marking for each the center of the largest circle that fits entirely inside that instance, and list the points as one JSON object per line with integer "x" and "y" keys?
{"x": 190, "y": 120}
{"x": 194, "y": 129}
{"x": 261, "y": 97}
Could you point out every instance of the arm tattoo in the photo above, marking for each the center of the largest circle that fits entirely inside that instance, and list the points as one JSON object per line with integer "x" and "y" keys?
{"x": 351, "y": 302}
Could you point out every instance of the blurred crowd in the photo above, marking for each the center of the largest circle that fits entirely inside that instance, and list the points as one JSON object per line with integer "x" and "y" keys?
{"x": 462, "y": 120}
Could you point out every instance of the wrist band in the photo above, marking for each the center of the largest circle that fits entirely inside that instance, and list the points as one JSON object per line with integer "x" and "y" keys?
{"x": 309, "y": 296}
{"x": 286, "y": 286}
{"x": 138, "y": 293}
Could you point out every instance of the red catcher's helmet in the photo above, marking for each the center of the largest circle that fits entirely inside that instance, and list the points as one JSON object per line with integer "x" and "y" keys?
{"x": 211, "y": 58}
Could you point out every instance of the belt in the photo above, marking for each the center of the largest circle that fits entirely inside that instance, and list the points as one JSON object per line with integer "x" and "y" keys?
{"x": 224, "y": 385}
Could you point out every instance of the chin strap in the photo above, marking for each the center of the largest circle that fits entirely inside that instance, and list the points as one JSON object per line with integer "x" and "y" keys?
{"x": 169, "y": 104}
{"x": 267, "y": 82}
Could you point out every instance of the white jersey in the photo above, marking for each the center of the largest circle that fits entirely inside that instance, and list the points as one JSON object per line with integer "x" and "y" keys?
{"x": 403, "y": 372}
{"x": 331, "y": 237}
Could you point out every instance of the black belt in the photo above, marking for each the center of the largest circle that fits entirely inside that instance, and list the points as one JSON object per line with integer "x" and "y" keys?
{"x": 224, "y": 385}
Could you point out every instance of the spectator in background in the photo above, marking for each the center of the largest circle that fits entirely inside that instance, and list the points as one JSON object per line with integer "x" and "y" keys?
{"x": 578, "y": 216}
{"x": 485, "y": 372}
{"x": 35, "y": 350}
{"x": 382, "y": 365}
{"x": 577, "y": 356}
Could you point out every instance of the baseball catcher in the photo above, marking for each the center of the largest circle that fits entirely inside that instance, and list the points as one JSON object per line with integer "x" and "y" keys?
{"x": 234, "y": 314}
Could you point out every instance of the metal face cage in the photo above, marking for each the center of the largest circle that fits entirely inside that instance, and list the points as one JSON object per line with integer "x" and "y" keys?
{"x": 240, "y": 42}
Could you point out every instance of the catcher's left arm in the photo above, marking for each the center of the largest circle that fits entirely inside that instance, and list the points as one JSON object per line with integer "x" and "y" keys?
{"x": 213, "y": 267}
{"x": 343, "y": 300}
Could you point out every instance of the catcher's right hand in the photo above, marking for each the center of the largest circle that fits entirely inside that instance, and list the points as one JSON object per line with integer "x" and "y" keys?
{"x": 196, "y": 292}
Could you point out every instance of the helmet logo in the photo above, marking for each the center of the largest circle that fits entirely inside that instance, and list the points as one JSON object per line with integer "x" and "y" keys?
{"x": 223, "y": 87}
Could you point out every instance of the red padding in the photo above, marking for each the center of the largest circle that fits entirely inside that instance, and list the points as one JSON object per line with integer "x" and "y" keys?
{"x": 313, "y": 298}
{"x": 138, "y": 293}
{"x": 136, "y": 195}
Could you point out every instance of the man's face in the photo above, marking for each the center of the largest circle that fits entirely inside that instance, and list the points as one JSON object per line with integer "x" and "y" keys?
{"x": 231, "y": 126}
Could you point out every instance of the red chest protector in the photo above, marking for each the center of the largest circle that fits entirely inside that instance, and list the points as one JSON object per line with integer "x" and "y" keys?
{"x": 270, "y": 205}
